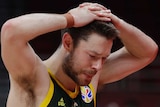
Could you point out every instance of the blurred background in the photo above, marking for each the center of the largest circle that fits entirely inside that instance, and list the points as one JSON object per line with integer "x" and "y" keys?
{"x": 141, "y": 89}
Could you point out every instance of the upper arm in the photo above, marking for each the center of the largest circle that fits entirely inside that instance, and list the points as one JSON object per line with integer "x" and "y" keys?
{"x": 121, "y": 64}
{"x": 18, "y": 56}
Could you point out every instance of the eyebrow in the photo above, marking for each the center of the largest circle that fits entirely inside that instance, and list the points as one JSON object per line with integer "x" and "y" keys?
{"x": 94, "y": 52}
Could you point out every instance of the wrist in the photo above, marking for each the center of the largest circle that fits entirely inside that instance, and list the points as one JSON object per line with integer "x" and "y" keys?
{"x": 69, "y": 19}
{"x": 116, "y": 21}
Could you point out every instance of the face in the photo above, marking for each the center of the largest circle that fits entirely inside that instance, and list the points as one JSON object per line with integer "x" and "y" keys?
{"x": 87, "y": 59}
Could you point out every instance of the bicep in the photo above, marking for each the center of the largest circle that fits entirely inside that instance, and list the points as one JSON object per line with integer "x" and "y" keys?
{"x": 119, "y": 65}
{"x": 19, "y": 58}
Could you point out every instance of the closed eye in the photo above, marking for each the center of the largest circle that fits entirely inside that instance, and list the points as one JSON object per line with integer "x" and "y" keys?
{"x": 93, "y": 57}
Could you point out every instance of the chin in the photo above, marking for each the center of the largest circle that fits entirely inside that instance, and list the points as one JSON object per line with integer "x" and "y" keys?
{"x": 84, "y": 83}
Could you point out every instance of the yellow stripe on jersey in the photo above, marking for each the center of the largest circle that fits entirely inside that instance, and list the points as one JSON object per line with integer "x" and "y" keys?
{"x": 70, "y": 93}
{"x": 49, "y": 95}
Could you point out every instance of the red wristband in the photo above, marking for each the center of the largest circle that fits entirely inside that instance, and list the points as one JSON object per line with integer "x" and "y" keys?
{"x": 70, "y": 20}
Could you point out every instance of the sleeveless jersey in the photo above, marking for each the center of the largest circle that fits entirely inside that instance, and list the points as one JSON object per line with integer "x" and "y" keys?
{"x": 58, "y": 96}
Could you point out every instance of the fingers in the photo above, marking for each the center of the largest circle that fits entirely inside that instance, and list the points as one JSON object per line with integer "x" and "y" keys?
{"x": 99, "y": 10}
{"x": 92, "y": 5}
{"x": 95, "y": 8}
{"x": 104, "y": 19}
{"x": 84, "y": 4}
{"x": 103, "y": 15}
{"x": 98, "y": 5}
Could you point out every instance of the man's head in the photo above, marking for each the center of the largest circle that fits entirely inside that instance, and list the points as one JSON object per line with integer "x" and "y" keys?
{"x": 88, "y": 48}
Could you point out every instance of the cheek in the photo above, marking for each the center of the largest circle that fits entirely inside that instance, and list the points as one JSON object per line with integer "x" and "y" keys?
{"x": 82, "y": 61}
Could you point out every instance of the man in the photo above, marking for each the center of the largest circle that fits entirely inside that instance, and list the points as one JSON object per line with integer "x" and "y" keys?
{"x": 71, "y": 76}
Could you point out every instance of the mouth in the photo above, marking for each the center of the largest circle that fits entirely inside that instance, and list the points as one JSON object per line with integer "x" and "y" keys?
{"x": 90, "y": 74}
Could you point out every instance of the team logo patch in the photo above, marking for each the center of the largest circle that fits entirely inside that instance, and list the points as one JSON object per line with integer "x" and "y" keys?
{"x": 86, "y": 93}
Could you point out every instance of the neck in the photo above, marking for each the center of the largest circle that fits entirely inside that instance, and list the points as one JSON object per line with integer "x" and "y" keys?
{"x": 54, "y": 63}
{"x": 66, "y": 81}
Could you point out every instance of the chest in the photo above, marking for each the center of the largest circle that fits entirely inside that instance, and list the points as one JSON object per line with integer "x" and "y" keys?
{"x": 60, "y": 98}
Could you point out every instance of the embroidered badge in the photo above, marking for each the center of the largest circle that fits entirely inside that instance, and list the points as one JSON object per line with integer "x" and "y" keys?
{"x": 86, "y": 94}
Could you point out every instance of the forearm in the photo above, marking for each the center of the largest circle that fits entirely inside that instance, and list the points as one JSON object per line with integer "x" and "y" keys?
{"x": 29, "y": 26}
{"x": 135, "y": 41}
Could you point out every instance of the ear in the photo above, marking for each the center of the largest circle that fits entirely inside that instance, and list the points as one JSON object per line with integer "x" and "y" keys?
{"x": 67, "y": 41}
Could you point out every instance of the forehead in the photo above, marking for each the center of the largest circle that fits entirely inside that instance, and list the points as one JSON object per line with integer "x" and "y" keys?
{"x": 97, "y": 43}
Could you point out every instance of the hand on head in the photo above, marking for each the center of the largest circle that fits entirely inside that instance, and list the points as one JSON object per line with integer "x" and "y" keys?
{"x": 99, "y": 10}
{"x": 88, "y": 12}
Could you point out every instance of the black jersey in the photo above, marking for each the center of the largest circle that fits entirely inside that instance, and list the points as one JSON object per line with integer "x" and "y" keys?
{"x": 58, "y": 96}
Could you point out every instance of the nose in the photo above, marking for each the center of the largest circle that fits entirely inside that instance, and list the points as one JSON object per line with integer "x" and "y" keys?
{"x": 97, "y": 64}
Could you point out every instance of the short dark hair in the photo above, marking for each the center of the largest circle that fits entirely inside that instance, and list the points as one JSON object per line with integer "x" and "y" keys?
{"x": 105, "y": 29}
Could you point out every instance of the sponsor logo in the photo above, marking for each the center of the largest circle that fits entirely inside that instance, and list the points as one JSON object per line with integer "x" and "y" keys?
{"x": 61, "y": 103}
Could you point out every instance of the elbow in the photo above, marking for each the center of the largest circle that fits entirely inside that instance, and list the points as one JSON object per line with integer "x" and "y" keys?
{"x": 148, "y": 54}
{"x": 8, "y": 31}
{"x": 153, "y": 53}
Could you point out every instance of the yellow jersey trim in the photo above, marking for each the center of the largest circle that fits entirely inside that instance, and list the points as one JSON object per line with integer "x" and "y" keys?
{"x": 49, "y": 95}
{"x": 73, "y": 95}
{"x": 94, "y": 94}
{"x": 70, "y": 93}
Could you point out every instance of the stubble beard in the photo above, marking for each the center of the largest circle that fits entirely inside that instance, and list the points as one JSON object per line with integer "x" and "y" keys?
{"x": 69, "y": 70}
